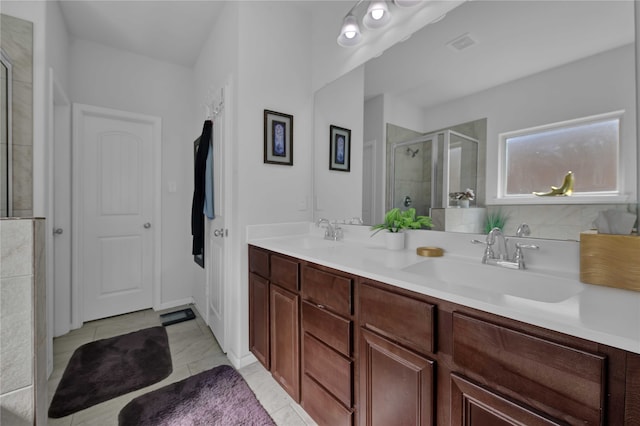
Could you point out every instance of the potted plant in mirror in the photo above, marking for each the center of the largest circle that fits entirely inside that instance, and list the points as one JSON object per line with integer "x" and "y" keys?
{"x": 395, "y": 221}
{"x": 495, "y": 219}
{"x": 463, "y": 197}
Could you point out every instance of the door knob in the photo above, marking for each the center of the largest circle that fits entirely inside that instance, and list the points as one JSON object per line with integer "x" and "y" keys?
{"x": 58, "y": 231}
{"x": 147, "y": 225}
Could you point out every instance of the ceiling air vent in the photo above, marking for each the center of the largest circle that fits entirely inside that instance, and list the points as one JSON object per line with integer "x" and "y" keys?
{"x": 462, "y": 42}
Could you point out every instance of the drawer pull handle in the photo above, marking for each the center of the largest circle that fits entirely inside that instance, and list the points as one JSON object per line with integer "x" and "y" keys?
{"x": 320, "y": 306}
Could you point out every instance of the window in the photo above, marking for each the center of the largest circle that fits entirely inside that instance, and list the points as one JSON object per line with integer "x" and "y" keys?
{"x": 537, "y": 158}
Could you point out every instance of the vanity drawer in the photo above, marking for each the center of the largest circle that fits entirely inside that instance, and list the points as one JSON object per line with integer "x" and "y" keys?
{"x": 327, "y": 289}
{"x": 403, "y": 319}
{"x": 259, "y": 261}
{"x": 322, "y": 406}
{"x": 333, "y": 330}
{"x": 564, "y": 382}
{"x": 284, "y": 272}
{"x": 332, "y": 370}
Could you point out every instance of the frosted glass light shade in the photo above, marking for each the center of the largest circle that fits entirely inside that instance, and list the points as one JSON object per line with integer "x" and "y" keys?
{"x": 406, "y": 3}
{"x": 377, "y": 15}
{"x": 350, "y": 33}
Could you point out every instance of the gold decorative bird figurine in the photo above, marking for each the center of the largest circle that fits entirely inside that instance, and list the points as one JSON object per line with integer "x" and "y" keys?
{"x": 563, "y": 191}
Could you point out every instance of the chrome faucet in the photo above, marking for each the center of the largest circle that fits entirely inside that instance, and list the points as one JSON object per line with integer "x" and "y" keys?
{"x": 502, "y": 241}
{"x": 332, "y": 232}
{"x": 503, "y": 259}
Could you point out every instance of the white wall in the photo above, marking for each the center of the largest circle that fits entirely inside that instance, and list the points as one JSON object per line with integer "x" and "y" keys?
{"x": 403, "y": 114}
{"x": 590, "y": 86}
{"x": 57, "y": 44}
{"x": 375, "y": 130}
{"x": 252, "y": 46}
{"x": 111, "y": 78}
{"x": 274, "y": 72}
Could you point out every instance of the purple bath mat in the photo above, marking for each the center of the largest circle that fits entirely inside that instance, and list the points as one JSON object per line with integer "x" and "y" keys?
{"x": 218, "y": 397}
{"x": 104, "y": 369}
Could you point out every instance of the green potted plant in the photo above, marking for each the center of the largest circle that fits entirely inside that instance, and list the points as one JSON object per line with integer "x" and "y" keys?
{"x": 494, "y": 219}
{"x": 397, "y": 220}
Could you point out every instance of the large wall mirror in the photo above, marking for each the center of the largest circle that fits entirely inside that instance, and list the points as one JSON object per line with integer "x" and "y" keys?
{"x": 485, "y": 69}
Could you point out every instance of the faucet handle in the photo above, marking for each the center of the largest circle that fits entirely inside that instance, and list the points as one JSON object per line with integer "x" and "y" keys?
{"x": 523, "y": 230}
{"x": 519, "y": 256}
{"x": 527, "y": 246}
{"x": 488, "y": 251}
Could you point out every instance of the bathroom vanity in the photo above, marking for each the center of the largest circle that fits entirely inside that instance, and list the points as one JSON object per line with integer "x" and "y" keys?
{"x": 357, "y": 338}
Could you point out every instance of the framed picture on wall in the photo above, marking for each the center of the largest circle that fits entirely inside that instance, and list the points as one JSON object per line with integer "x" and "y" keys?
{"x": 340, "y": 149}
{"x": 278, "y": 138}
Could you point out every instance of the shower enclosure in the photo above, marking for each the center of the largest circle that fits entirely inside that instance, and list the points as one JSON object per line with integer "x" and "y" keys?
{"x": 426, "y": 169}
{"x": 6, "y": 207}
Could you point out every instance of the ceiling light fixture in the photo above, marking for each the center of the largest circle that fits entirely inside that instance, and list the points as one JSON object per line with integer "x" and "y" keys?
{"x": 406, "y": 3}
{"x": 350, "y": 33}
{"x": 377, "y": 15}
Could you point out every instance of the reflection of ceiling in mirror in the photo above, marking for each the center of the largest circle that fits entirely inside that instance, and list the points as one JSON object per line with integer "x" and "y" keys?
{"x": 533, "y": 35}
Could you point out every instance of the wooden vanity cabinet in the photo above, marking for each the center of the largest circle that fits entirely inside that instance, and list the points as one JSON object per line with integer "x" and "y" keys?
{"x": 327, "y": 345}
{"x": 259, "y": 330}
{"x": 274, "y": 325}
{"x": 397, "y": 372}
{"x": 358, "y": 351}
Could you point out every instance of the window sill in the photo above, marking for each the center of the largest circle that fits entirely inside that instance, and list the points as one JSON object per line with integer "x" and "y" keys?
{"x": 573, "y": 199}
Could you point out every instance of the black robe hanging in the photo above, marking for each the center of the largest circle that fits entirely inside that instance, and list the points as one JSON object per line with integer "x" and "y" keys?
{"x": 197, "y": 216}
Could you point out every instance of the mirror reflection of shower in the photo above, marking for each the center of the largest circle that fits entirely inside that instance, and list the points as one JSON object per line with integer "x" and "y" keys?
{"x": 424, "y": 170}
{"x": 6, "y": 208}
{"x": 412, "y": 152}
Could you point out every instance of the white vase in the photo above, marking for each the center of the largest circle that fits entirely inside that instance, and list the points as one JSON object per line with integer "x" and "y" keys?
{"x": 394, "y": 240}
{"x": 463, "y": 204}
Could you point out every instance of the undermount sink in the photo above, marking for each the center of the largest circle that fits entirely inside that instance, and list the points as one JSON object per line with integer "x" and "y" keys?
{"x": 525, "y": 284}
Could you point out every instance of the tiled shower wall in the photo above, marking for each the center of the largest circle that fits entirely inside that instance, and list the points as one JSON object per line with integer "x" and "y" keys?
{"x": 16, "y": 39}
{"x": 23, "y": 334}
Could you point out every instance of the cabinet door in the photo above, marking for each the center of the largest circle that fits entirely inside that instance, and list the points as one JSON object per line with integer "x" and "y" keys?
{"x": 396, "y": 385}
{"x": 472, "y": 405}
{"x": 259, "y": 261}
{"x": 259, "y": 318}
{"x": 285, "y": 340}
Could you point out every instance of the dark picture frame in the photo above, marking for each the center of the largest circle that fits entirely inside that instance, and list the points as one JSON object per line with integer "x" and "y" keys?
{"x": 340, "y": 149}
{"x": 278, "y": 138}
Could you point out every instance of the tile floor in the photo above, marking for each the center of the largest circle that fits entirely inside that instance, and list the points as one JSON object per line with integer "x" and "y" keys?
{"x": 193, "y": 349}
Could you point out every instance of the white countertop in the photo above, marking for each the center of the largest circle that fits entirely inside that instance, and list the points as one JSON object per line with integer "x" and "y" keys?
{"x": 559, "y": 301}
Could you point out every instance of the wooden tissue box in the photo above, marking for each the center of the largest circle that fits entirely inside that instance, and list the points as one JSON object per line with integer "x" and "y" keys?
{"x": 610, "y": 260}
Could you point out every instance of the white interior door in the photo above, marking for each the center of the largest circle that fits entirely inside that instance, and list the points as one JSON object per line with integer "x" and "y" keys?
{"x": 61, "y": 226}
{"x": 118, "y": 228}
{"x": 217, "y": 236}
